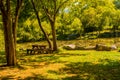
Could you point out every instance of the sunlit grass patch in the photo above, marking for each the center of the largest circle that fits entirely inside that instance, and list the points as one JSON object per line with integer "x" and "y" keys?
{"x": 65, "y": 65}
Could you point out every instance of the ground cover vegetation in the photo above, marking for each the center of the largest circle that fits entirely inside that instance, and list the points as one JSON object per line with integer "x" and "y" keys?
{"x": 64, "y": 64}
{"x": 57, "y": 23}
{"x": 67, "y": 65}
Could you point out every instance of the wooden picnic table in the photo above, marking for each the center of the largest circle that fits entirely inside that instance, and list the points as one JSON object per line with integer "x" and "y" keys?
{"x": 38, "y": 49}
{"x": 36, "y": 46}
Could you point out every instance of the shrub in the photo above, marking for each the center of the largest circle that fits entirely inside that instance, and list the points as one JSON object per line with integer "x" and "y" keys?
{"x": 29, "y": 33}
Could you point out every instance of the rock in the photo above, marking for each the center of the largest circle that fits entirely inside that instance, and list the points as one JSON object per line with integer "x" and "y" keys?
{"x": 79, "y": 47}
{"x": 114, "y": 47}
{"x": 117, "y": 44}
{"x": 90, "y": 48}
{"x": 69, "y": 47}
{"x": 102, "y": 47}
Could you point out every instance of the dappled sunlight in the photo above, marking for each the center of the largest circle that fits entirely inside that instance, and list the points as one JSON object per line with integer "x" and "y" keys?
{"x": 73, "y": 65}
{"x": 59, "y": 39}
{"x": 90, "y": 71}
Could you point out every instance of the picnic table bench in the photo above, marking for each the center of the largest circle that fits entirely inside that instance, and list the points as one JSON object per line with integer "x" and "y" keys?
{"x": 36, "y": 49}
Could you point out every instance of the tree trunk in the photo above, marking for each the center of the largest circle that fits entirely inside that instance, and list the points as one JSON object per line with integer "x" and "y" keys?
{"x": 54, "y": 35}
{"x": 10, "y": 29}
{"x": 46, "y": 36}
{"x": 9, "y": 41}
{"x": 15, "y": 20}
{"x": 40, "y": 25}
{"x": 115, "y": 33}
{"x": 14, "y": 31}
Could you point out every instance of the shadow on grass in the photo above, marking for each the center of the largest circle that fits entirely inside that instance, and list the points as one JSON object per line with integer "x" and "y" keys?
{"x": 33, "y": 77}
{"x": 69, "y": 54}
{"x": 107, "y": 70}
{"x": 47, "y": 59}
{"x": 7, "y": 77}
{"x": 3, "y": 64}
{"x": 37, "y": 77}
{"x": 28, "y": 60}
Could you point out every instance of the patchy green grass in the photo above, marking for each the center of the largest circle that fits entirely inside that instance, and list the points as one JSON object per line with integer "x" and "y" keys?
{"x": 66, "y": 65}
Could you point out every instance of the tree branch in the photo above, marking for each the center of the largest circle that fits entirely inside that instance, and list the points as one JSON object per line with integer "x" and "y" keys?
{"x": 46, "y": 11}
{"x": 40, "y": 25}
{"x": 60, "y": 6}
{"x": 2, "y": 7}
{"x": 55, "y": 6}
{"x": 18, "y": 7}
{"x": 8, "y": 6}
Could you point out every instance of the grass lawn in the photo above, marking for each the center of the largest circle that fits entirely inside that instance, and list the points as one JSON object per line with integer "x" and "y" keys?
{"x": 65, "y": 65}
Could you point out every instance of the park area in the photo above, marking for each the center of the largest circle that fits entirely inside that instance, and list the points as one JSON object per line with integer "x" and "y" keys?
{"x": 62, "y": 65}
{"x": 68, "y": 65}
{"x": 59, "y": 39}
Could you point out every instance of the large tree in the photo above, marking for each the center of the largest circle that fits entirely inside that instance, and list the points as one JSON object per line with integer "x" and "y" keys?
{"x": 51, "y": 8}
{"x": 40, "y": 23}
{"x": 10, "y": 14}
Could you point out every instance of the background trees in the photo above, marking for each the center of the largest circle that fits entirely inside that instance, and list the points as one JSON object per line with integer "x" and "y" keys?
{"x": 49, "y": 9}
{"x": 75, "y": 17}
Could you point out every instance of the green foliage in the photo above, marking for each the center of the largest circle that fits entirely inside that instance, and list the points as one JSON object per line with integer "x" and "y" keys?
{"x": 75, "y": 18}
{"x": 29, "y": 32}
{"x": 1, "y": 40}
{"x": 68, "y": 25}
{"x": 1, "y": 26}
{"x": 93, "y": 14}
{"x": 117, "y": 3}
{"x": 27, "y": 12}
